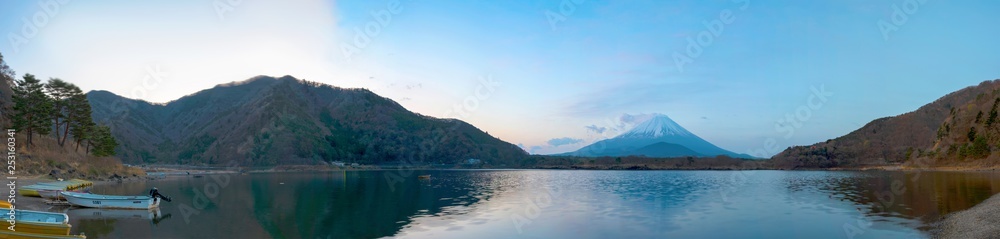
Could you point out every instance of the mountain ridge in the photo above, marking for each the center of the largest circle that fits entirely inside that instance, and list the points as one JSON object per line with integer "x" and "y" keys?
{"x": 274, "y": 121}
{"x": 922, "y": 137}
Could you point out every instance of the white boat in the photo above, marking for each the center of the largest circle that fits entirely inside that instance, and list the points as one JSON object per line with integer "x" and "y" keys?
{"x": 50, "y": 194}
{"x": 111, "y": 201}
{"x": 56, "y": 195}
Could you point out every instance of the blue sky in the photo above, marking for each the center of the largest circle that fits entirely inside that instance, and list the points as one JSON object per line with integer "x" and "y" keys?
{"x": 557, "y": 66}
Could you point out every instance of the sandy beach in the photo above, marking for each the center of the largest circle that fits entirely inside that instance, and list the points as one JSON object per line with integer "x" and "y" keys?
{"x": 981, "y": 221}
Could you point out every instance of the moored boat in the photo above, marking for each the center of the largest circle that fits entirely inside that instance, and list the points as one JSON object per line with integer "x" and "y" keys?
{"x": 27, "y": 221}
{"x": 7, "y": 234}
{"x": 33, "y": 190}
{"x": 55, "y": 194}
{"x": 112, "y": 201}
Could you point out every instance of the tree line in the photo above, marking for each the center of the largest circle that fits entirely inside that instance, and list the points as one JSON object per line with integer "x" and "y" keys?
{"x": 60, "y": 109}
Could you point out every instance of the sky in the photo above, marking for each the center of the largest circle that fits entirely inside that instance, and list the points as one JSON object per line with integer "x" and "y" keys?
{"x": 750, "y": 76}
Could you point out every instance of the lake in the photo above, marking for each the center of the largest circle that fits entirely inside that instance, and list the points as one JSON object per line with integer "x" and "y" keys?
{"x": 544, "y": 204}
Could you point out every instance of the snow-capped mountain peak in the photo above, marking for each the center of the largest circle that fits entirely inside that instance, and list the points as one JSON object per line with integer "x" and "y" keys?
{"x": 657, "y": 126}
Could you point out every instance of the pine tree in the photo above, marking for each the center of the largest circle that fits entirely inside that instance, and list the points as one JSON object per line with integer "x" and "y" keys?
{"x": 65, "y": 98}
{"x": 104, "y": 144}
{"x": 32, "y": 108}
{"x": 82, "y": 125}
{"x": 993, "y": 113}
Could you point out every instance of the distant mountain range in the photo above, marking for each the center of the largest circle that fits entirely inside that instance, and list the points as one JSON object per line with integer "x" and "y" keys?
{"x": 659, "y": 137}
{"x": 271, "y": 121}
{"x": 959, "y": 129}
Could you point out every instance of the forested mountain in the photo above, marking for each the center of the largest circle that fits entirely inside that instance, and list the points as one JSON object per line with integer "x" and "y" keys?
{"x": 960, "y": 128}
{"x": 272, "y": 121}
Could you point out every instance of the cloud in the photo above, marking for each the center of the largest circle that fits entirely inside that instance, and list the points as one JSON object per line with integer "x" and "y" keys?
{"x": 534, "y": 149}
{"x": 633, "y": 119}
{"x": 623, "y": 123}
{"x": 596, "y": 129}
{"x": 564, "y": 141}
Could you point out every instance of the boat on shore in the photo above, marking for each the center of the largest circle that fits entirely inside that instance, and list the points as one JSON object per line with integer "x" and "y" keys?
{"x": 36, "y": 222}
{"x": 113, "y": 201}
{"x": 69, "y": 185}
{"x": 7, "y": 234}
{"x": 56, "y": 195}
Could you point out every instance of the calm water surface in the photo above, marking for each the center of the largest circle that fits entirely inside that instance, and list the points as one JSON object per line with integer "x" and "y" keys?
{"x": 544, "y": 204}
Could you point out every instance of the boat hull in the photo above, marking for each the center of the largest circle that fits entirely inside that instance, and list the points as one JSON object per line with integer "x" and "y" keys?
{"x": 7, "y": 234}
{"x": 28, "y": 221}
{"x": 50, "y": 194}
{"x": 106, "y": 201}
{"x": 38, "y": 228}
{"x": 34, "y": 190}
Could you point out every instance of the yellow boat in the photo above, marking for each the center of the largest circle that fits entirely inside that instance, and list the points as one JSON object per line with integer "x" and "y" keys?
{"x": 68, "y": 185}
{"x": 38, "y": 222}
{"x": 7, "y": 234}
{"x": 35, "y": 224}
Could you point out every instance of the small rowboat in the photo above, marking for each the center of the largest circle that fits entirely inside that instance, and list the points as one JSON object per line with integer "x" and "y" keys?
{"x": 7, "y": 234}
{"x": 55, "y": 194}
{"x": 424, "y": 176}
{"x": 110, "y": 201}
{"x": 33, "y": 190}
{"x": 35, "y": 224}
{"x": 38, "y": 222}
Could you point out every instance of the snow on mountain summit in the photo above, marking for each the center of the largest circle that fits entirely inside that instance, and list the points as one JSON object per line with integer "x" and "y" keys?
{"x": 657, "y": 126}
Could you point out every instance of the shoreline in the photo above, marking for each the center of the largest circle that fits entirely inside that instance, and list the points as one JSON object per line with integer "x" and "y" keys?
{"x": 980, "y": 221}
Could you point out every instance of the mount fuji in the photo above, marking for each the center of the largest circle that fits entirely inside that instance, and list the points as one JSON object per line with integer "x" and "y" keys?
{"x": 659, "y": 136}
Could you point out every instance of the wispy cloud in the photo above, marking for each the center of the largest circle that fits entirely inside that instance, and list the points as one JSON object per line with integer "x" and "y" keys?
{"x": 564, "y": 141}
{"x": 596, "y": 129}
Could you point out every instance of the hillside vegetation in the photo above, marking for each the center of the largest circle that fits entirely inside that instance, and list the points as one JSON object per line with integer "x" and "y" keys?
{"x": 53, "y": 132}
{"x": 267, "y": 121}
{"x": 959, "y": 129}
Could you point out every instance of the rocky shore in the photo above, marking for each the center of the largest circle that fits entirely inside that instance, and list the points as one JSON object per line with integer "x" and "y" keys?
{"x": 981, "y": 221}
